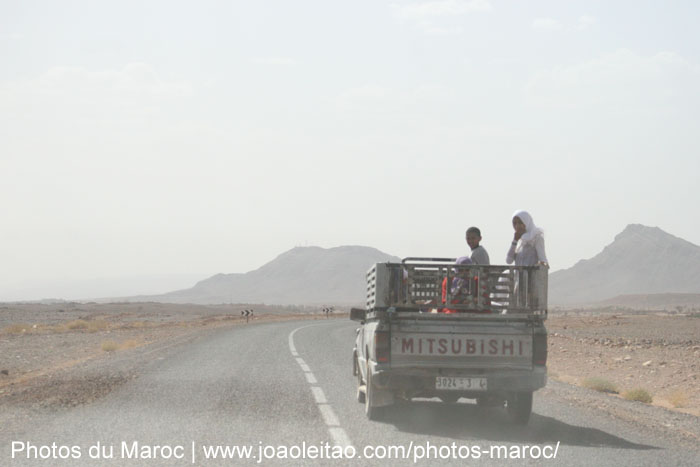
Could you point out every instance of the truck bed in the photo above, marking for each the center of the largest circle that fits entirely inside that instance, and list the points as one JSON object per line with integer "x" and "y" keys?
{"x": 433, "y": 284}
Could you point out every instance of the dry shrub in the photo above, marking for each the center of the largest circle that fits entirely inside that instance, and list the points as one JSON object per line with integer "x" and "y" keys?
{"x": 18, "y": 328}
{"x": 83, "y": 325}
{"x": 77, "y": 324}
{"x": 640, "y": 395}
{"x": 134, "y": 325}
{"x": 109, "y": 346}
{"x": 678, "y": 399}
{"x": 600, "y": 384}
{"x": 130, "y": 344}
{"x": 99, "y": 325}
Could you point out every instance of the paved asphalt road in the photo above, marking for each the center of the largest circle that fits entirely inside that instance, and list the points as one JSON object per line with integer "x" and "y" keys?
{"x": 289, "y": 385}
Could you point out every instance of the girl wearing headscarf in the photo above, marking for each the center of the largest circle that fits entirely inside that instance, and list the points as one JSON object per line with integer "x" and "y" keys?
{"x": 457, "y": 286}
{"x": 527, "y": 248}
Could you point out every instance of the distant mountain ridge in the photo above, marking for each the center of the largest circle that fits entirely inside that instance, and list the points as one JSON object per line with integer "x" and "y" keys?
{"x": 641, "y": 260}
{"x": 302, "y": 275}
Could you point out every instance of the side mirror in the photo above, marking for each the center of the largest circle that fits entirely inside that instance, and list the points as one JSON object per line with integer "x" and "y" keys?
{"x": 358, "y": 314}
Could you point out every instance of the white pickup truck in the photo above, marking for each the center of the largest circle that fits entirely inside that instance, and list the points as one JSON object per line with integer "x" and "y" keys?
{"x": 436, "y": 329}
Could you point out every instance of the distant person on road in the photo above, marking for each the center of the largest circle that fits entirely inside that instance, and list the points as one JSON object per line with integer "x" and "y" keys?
{"x": 479, "y": 254}
{"x": 527, "y": 247}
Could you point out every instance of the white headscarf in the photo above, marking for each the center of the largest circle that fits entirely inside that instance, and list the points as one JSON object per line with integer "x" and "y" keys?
{"x": 531, "y": 230}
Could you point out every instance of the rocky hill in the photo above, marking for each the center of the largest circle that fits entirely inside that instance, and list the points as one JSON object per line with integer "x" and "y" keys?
{"x": 641, "y": 260}
{"x": 302, "y": 275}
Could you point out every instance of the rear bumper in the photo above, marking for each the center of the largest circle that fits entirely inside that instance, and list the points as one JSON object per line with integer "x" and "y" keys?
{"x": 422, "y": 380}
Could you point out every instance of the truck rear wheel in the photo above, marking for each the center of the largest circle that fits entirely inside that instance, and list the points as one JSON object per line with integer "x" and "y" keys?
{"x": 360, "y": 393}
{"x": 486, "y": 401}
{"x": 371, "y": 410}
{"x": 519, "y": 406}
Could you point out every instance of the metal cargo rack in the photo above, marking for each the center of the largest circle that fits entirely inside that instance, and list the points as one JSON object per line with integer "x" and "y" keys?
{"x": 416, "y": 284}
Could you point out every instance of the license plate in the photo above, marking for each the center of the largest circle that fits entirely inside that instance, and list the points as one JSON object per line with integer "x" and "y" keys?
{"x": 448, "y": 383}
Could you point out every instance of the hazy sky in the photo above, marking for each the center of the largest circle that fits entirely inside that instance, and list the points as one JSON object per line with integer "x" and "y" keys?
{"x": 191, "y": 138}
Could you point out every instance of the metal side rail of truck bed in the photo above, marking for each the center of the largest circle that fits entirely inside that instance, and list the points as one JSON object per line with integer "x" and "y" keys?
{"x": 436, "y": 284}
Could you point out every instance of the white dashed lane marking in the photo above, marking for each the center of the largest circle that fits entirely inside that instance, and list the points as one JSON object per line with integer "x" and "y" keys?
{"x": 291, "y": 342}
{"x": 338, "y": 434}
{"x": 310, "y": 378}
{"x": 328, "y": 415}
{"x": 303, "y": 365}
{"x": 340, "y": 438}
{"x": 319, "y": 395}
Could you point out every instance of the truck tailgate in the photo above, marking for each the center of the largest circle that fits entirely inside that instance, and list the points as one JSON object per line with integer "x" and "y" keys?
{"x": 462, "y": 344}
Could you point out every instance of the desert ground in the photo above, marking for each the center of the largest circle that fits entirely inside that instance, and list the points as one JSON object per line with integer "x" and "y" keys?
{"x": 619, "y": 350}
{"x": 72, "y": 353}
{"x": 63, "y": 355}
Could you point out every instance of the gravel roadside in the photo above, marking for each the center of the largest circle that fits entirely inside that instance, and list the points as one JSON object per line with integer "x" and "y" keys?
{"x": 50, "y": 367}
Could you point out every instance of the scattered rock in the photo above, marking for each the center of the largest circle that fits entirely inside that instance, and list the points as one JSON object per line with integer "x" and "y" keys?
{"x": 5, "y": 372}
{"x": 647, "y": 363}
{"x": 627, "y": 358}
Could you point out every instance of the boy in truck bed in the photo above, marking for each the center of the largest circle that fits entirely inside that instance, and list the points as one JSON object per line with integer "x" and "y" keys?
{"x": 479, "y": 254}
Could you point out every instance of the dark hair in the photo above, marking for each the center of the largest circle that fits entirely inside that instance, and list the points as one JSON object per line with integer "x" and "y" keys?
{"x": 474, "y": 230}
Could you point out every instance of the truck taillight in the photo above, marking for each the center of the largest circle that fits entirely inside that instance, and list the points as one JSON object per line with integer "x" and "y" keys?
{"x": 539, "y": 350}
{"x": 382, "y": 346}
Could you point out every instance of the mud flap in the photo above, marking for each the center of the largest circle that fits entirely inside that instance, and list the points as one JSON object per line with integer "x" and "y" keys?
{"x": 382, "y": 397}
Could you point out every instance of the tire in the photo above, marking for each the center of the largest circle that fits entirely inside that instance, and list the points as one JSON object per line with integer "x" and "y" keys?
{"x": 449, "y": 398}
{"x": 371, "y": 410}
{"x": 402, "y": 401}
{"x": 485, "y": 402}
{"x": 520, "y": 407}
{"x": 360, "y": 394}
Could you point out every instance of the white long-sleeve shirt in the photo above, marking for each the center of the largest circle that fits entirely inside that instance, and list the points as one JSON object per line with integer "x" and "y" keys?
{"x": 529, "y": 255}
